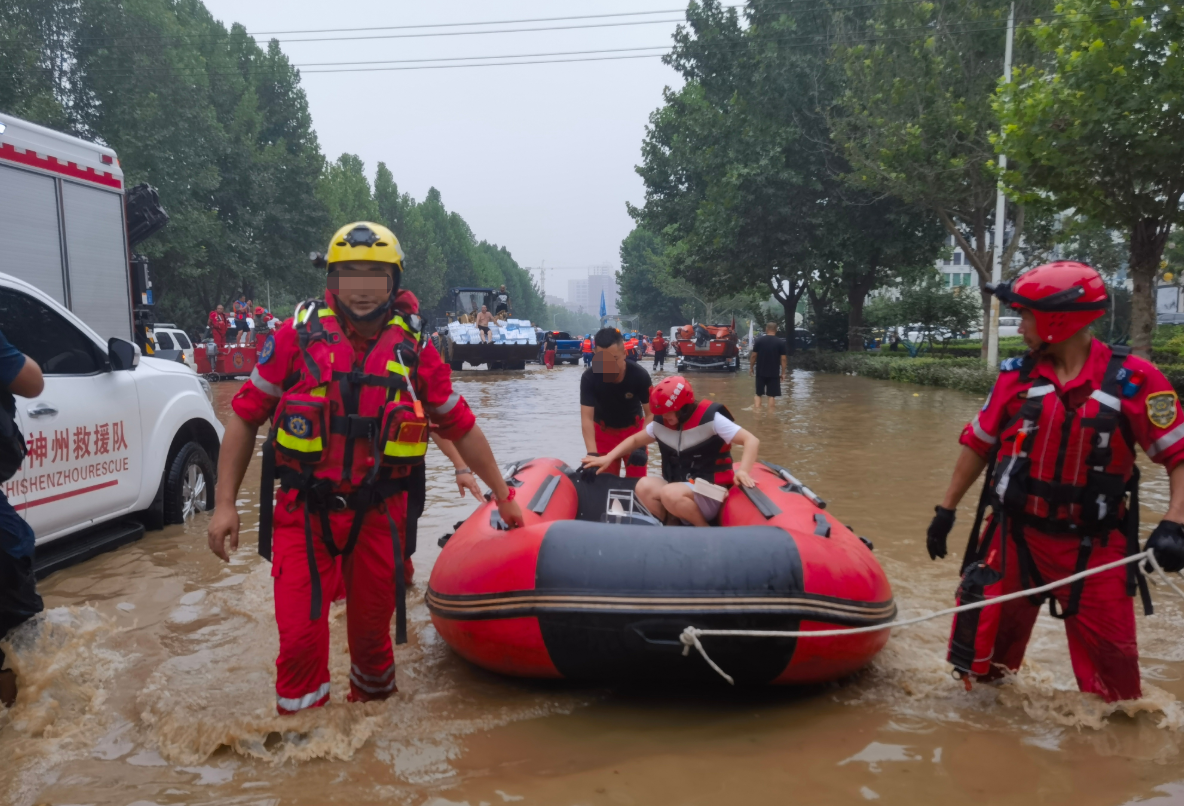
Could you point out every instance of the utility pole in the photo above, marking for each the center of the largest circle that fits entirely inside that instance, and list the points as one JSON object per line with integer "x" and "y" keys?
{"x": 1000, "y": 217}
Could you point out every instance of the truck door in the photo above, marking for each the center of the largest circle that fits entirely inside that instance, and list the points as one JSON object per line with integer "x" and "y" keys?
{"x": 83, "y": 431}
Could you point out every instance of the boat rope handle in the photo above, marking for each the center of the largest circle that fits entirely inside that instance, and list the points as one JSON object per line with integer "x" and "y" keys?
{"x": 690, "y": 636}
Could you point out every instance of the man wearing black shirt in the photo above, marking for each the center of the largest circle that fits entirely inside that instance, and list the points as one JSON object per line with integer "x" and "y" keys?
{"x": 501, "y": 301}
{"x": 614, "y": 402}
{"x": 767, "y": 363}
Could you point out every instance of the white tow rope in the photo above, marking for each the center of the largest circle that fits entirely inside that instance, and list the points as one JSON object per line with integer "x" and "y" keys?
{"x": 690, "y": 636}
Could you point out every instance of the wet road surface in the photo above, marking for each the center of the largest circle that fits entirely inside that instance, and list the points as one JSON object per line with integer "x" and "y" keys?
{"x": 150, "y": 678}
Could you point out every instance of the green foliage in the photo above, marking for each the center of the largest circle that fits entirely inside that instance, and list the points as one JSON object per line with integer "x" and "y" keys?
{"x": 742, "y": 182}
{"x": 928, "y": 303}
{"x": 641, "y": 282}
{"x": 217, "y": 124}
{"x": 916, "y": 116}
{"x": 965, "y": 374}
{"x": 1094, "y": 122}
{"x": 221, "y": 127}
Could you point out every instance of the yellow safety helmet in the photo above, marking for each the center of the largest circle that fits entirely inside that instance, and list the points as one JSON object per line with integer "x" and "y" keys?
{"x": 364, "y": 240}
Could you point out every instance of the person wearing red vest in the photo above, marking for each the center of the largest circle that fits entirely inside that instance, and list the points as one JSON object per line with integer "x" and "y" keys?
{"x": 218, "y": 325}
{"x": 352, "y": 388}
{"x": 695, "y": 439}
{"x": 659, "y": 344}
{"x": 1057, "y": 436}
{"x": 586, "y": 350}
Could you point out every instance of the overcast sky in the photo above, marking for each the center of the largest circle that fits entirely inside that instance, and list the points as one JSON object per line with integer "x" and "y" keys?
{"x": 537, "y": 158}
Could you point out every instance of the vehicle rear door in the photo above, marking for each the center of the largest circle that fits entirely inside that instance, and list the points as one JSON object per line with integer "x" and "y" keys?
{"x": 83, "y": 431}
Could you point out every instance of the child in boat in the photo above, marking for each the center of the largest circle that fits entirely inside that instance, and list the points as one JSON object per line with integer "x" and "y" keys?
{"x": 695, "y": 439}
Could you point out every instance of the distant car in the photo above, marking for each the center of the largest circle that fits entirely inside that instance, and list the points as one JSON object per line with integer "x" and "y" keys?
{"x": 169, "y": 337}
{"x": 1170, "y": 319}
{"x": 1009, "y": 326}
{"x": 802, "y": 338}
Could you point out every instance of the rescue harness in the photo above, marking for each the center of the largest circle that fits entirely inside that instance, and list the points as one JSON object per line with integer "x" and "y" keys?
{"x": 346, "y": 440}
{"x": 1091, "y": 511}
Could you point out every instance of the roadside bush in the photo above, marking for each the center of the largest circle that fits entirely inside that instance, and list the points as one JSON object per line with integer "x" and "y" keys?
{"x": 964, "y": 374}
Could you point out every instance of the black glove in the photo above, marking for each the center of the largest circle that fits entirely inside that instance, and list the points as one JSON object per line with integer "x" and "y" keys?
{"x": 939, "y": 530}
{"x": 637, "y": 457}
{"x": 1167, "y": 542}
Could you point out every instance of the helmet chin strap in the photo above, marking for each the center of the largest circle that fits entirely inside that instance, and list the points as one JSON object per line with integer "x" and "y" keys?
{"x": 377, "y": 313}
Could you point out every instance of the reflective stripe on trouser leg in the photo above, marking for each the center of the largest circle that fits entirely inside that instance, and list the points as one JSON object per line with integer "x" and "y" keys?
{"x": 302, "y": 667}
{"x": 374, "y": 685}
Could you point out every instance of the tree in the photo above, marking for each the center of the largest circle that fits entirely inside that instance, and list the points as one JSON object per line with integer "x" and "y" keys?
{"x": 926, "y": 302}
{"x": 1096, "y": 123}
{"x": 744, "y": 181}
{"x": 640, "y": 281}
{"x": 916, "y": 116}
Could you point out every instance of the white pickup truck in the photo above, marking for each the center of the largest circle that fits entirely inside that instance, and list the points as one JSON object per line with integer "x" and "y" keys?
{"x": 117, "y": 442}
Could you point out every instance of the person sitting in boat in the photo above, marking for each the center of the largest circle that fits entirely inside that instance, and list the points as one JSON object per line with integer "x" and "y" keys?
{"x": 695, "y": 438}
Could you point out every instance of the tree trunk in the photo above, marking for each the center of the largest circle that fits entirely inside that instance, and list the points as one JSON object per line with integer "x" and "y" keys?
{"x": 857, "y": 291}
{"x": 1147, "y": 241}
{"x": 789, "y": 306}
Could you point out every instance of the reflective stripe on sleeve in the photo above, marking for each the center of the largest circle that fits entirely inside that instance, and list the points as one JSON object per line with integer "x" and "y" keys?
{"x": 980, "y": 433}
{"x": 448, "y": 405}
{"x": 265, "y": 386}
{"x": 307, "y": 701}
{"x": 1106, "y": 399}
{"x": 1168, "y": 440}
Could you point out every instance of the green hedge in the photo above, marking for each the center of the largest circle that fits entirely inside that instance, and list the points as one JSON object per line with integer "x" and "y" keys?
{"x": 964, "y": 374}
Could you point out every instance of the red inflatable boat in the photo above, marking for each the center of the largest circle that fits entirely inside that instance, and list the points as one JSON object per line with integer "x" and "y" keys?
{"x": 592, "y": 587}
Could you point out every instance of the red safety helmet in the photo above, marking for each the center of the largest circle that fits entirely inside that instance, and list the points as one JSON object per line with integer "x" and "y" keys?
{"x": 1063, "y": 297}
{"x": 659, "y": 333}
{"x": 670, "y": 395}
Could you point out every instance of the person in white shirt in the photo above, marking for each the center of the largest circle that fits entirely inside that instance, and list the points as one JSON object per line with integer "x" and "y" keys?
{"x": 695, "y": 439}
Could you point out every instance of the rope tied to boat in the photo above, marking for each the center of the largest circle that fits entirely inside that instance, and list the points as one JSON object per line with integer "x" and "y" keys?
{"x": 691, "y": 635}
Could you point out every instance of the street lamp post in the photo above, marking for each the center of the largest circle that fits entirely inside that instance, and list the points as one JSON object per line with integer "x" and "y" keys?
{"x": 1000, "y": 218}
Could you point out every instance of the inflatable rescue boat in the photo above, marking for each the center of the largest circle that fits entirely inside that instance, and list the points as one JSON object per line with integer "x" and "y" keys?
{"x": 593, "y": 587}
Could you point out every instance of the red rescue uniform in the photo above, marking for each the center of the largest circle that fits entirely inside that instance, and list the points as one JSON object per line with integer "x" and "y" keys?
{"x": 218, "y": 325}
{"x": 367, "y": 572}
{"x": 1061, "y": 482}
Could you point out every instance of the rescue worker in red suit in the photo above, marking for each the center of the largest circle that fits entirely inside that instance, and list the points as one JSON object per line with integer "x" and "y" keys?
{"x": 695, "y": 438}
{"x": 659, "y": 343}
{"x": 1058, "y": 432}
{"x": 218, "y": 325}
{"x": 349, "y": 384}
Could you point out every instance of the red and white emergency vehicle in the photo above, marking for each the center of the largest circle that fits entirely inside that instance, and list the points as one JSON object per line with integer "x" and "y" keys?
{"x": 117, "y": 442}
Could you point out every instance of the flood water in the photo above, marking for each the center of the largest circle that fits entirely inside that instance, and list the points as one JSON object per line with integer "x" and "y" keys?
{"x": 150, "y": 678}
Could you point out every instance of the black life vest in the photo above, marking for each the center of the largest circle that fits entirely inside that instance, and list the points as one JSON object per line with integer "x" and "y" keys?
{"x": 12, "y": 442}
{"x": 694, "y": 450}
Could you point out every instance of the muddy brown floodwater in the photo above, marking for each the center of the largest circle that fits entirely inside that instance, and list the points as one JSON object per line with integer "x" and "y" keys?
{"x": 150, "y": 678}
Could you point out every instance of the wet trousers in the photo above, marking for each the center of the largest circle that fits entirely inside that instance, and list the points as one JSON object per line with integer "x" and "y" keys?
{"x": 368, "y": 576}
{"x": 1102, "y": 646}
{"x": 609, "y": 438}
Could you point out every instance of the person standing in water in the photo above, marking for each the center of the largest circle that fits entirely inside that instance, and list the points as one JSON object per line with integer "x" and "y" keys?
{"x": 767, "y": 362}
{"x": 349, "y": 384}
{"x": 614, "y": 402}
{"x": 1059, "y": 432}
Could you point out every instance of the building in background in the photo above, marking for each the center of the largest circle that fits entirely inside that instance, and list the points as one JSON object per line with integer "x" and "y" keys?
{"x": 577, "y": 295}
{"x": 602, "y": 279}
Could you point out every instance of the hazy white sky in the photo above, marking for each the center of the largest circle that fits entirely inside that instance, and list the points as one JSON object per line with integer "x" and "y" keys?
{"x": 536, "y": 158}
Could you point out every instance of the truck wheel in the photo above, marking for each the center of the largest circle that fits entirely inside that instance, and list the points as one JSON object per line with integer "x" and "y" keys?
{"x": 211, "y": 376}
{"x": 518, "y": 365}
{"x": 457, "y": 366}
{"x": 189, "y": 484}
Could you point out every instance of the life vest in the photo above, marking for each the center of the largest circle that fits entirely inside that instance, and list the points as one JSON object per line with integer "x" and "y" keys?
{"x": 1068, "y": 471}
{"x": 346, "y": 437}
{"x": 347, "y": 424}
{"x": 587, "y": 345}
{"x": 694, "y": 450}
